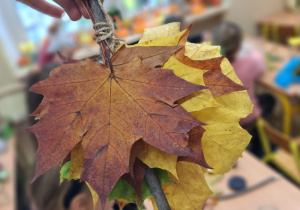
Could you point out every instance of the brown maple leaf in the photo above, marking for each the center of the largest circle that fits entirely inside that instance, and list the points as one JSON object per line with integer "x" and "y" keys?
{"x": 195, "y": 143}
{"x": 107, "y": 111}
{"x": 218, "y": 83}
{"x": 137, "y": 180}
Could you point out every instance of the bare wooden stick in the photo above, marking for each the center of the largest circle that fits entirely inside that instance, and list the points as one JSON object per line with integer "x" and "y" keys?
{"x": 97, "y": 12}
{"x": 100, "y": 17}
{"x": 157, "y": 192}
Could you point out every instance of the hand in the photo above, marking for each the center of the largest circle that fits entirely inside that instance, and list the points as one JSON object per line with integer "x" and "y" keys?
{"x": 73, "y": 8}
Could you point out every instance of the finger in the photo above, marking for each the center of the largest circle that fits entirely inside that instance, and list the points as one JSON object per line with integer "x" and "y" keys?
{"x": 71, "y": 8}
{"x": 44, "y": 7}
{"x": 82, "y": 9}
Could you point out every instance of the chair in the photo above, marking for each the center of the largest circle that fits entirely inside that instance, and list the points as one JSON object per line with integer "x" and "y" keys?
{"x": 286, "y": 158}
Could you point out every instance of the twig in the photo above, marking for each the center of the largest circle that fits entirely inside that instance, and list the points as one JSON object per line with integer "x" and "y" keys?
{"x": 99, "y": 17}
{"x": 97, "y": 12}
{"x": 157, "y": 192}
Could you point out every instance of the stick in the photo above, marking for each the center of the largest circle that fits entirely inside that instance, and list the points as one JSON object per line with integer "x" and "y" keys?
{"x": 157, "y": 192}
{"x": 99, "y": 18}
{"x": 97, "y": 12}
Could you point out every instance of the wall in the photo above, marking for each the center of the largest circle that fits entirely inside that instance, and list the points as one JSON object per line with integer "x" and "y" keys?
{"x": 13, "y": 105}
{"x": 246, "y": 13}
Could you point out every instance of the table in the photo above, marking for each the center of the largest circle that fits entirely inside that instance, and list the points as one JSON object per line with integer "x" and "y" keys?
{"x": 276, "y": 195}
{"x": 8, "y": 160}
{"x": 267, "y": 80}
{"x": 280, "y": 26}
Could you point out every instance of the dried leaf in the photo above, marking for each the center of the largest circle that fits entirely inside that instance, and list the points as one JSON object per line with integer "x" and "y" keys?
{"x": 136, "y": 149}
{"x": 139, "y": 174}
{"x": 202, "y": 51}
{"x": 156, "y": 158}
{"x": 76, "y": 162}
{"x": 94, "y": 194}
{"x": 225, "y": 142}
{"x": 213, "y": 78}
{"x": 160, "y": 32}
{"x": 108, "y": 111}
{"x": 191, "y": 191}
{"x": 216, "y": 112}
{"x": 195, "y": 143}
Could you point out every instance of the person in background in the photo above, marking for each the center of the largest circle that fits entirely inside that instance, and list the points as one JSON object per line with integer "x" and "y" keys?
{"x": 45, "y": 55}
{"x": 248, "y": 65}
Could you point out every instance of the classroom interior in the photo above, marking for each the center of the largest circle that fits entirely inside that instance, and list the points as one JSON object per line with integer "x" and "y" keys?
{"x": 268, "y": 174}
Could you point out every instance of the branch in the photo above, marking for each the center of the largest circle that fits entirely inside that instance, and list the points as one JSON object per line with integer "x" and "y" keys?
{"x": 97, "y": 12}
{"x": 157, "y": 192}
{"x": 100, "y": 17}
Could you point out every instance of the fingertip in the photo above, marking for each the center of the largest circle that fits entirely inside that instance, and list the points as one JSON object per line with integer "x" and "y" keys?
{"x": 82, "y": 9}
{"x": 59, "y": 13}
{"x": 75, "y": 17}
{"x": 74, "y": 14}
{"x": 84, "y": 12}
{"x": 85, "y": 15}
{"x": 70, "y": 8}
{"x": 46, "y": 8}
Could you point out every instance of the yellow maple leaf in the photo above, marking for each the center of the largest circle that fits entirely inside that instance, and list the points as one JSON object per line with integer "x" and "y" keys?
{"x": 156, "y": 158}
{"x": 220, "y": 153}
{"x": 94, "y": 194}
{"x": 158, "y": 32}
{"x": 201, "y": 51}
{"x": 75, "y": 169}
{"x": 190, "y": 192}
{"x": 76, "y": 162}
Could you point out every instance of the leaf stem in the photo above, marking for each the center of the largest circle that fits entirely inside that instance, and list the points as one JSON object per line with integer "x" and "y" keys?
{"x": 157, "y": 192}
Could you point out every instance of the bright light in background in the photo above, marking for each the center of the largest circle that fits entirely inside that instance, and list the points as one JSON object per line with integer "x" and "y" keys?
{"x": 36, "y": 24}
{"x": 65, "y": 17}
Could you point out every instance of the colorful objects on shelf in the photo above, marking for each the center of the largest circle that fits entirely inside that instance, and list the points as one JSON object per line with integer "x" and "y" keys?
{"x": 197, "y": 7}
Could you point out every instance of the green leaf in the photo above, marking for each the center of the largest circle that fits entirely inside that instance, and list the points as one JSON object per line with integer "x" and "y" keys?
{"x": 65, "y": 171}
{"x": 125, "y": 191}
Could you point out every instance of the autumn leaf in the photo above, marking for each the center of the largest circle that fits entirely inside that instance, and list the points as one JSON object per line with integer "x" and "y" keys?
{"x": 94, "y": 194}
{"x": 107, "y": 111}
{"x": 221, "y": 113}
{"x": 195, "y": 143}
{"x": 201, "y": 51}
{"x": 76, "y": 163}
{"x": 156, "y": 158}
{"x": 137, "y": 180}
{"x": 133, "y": 190}
{"x": 156, "y": 32}
{"x": 190, "y": 192}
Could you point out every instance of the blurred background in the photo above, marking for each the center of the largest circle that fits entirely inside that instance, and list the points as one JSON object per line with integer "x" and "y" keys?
{"x": 261, "y": 38}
